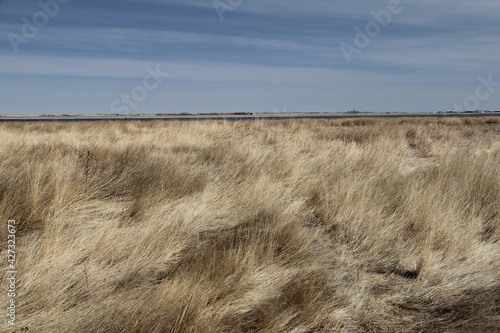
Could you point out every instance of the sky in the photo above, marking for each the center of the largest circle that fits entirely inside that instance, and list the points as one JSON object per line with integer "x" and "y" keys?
{"x": 200, "y": 56}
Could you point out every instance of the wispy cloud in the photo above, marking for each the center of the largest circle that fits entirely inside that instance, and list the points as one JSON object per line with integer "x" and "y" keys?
{"x": 272, "y": 44}
{"x": 136, "y": 40}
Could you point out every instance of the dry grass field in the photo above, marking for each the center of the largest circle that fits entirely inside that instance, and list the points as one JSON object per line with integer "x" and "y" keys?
{"x": 296, "y": 226}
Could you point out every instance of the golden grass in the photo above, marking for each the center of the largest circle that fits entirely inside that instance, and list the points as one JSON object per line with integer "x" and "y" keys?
{"x": 357, "y": 225}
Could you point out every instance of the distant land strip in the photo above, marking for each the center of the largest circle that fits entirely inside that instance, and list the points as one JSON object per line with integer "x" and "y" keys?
{"x": 239, "y": 116}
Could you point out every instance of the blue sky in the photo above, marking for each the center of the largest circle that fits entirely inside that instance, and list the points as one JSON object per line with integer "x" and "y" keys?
{"x": 301, "y": 56}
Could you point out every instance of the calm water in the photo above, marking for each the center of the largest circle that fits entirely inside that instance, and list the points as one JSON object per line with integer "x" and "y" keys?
{"x": 239, "y": 118}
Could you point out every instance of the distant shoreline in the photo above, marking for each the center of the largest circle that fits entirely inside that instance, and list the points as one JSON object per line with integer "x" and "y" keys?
{"x": 240, "y": 116}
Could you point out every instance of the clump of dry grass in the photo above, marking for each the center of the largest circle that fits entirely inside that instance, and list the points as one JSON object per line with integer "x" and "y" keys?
{"x": 267, "y": 226}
